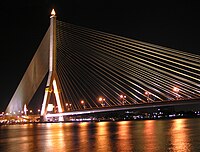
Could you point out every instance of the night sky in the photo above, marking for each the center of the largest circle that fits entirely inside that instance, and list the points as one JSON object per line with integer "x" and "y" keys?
{"x": 24, "y": 23}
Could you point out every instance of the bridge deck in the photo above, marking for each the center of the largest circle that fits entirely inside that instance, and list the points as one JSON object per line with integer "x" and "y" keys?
{"x": 128, "y": 107}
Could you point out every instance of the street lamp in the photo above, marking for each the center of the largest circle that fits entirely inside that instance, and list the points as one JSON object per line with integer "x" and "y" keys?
{"x": 68, "y": 106}
{"x": 102, "y": 101}
{"x": 83, "y": 103}
{"x": 176, "y": 90}
{"x": 123, "y": 98}
{"x": 147, "y": 93}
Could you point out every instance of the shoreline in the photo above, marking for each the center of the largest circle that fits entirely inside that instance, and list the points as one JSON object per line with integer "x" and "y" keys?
{"x": 99, "y": 120}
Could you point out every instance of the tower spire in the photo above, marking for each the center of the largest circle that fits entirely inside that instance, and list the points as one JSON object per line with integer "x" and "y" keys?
{"x": 53, "y": 13}
{"x": 53, "y": 80}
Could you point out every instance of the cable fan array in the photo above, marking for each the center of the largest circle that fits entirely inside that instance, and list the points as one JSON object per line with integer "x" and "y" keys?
{"x": 93, "y": 65}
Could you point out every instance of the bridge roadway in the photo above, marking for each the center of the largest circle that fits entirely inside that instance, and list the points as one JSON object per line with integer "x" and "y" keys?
{"x": 128, "y": 107}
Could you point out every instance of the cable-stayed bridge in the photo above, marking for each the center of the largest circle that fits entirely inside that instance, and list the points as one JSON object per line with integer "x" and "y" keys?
{"x": 85, "y": 69}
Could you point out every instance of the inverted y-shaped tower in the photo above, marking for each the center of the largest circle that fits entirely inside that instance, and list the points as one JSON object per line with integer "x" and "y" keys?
{"x": 53, "y": 83}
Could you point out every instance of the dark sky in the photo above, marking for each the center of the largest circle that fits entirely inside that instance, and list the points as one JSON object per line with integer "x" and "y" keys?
{"x": 24, "y": 23}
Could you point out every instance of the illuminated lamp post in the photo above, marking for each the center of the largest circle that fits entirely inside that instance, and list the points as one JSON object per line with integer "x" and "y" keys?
{"x": 123, "y": 98}
{"x": 69, "y": 106}
{"x": 102, "y": 101}
{"x": 147, "y": 93}
{"x": 176, "y": 91}
{"x": 83, "y": 103}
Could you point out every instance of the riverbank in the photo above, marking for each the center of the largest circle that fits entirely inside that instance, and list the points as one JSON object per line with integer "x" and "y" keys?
{"x": 136, "y": 118}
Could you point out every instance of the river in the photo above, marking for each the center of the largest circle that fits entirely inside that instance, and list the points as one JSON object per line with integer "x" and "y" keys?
{"x": 175, "y": 135}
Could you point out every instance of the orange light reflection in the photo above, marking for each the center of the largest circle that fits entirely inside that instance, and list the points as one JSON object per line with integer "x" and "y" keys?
{"x": 179, "y": 135}
{"x": 149, "y": 136}
{"x": 103, "y": 141}
{"x": 124, "y": 136}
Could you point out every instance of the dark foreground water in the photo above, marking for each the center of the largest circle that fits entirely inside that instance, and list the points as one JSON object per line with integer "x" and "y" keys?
{"x": 178, "y": 135}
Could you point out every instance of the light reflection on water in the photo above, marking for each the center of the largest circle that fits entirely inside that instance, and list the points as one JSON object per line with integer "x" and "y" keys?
{"x": 103, "y": 140}
{"x": 149, "y": 135}
{"x": 124, "y": 139}
{"x": 178, "y": 135}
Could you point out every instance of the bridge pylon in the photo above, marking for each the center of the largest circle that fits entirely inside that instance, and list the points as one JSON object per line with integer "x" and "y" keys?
{"x": 53, "y": 84}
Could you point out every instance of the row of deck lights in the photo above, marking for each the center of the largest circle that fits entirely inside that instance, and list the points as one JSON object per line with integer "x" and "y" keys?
{"x": 102, "y": 100}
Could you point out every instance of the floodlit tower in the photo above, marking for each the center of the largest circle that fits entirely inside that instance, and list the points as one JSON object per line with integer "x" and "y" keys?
{"x": 53, "y": 83}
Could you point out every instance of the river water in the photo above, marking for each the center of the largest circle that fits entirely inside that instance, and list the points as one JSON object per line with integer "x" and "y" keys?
{"x": 176, "y": 135}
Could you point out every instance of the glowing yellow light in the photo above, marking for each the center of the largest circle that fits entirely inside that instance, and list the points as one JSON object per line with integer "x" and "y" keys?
{"x": 53, "y": 13}
{"x": 100, "y": 98}
{"x": 175, "y": 89}
{"x": 122, "y": 96}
